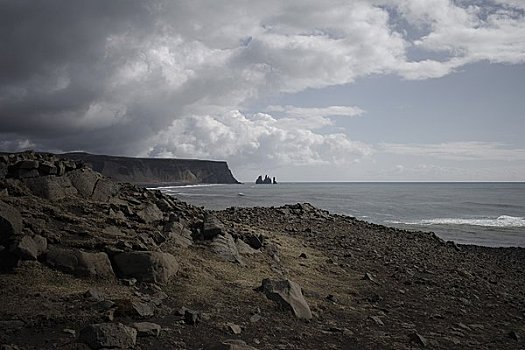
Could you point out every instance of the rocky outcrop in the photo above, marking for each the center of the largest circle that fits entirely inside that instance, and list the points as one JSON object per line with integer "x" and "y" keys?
{"x": 153, "y": 171}
{"x": 154, "y": 267}
{"x": 288, "y": 295}
{"x": 54, "y": 179}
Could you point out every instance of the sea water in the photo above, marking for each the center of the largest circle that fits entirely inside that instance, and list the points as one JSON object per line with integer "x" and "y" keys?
{"x": 489, "y": 214}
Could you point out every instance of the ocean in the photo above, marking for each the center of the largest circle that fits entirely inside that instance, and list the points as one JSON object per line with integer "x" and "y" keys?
{"x": 488, "y": 214}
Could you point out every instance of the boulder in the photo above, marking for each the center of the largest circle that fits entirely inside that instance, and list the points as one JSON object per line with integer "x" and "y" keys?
{"x": 147, "y": 329}
{"x": 288, "y": 295}
{"x": 225, "y": 247}
{"x": 253, "y": 241}
{"x": 84, "y": 180}
{"x": 147, "y": 266}
{"x": 51, "y": 187}
{"x": 10, "y": 222}
{"x": 47, "y": 168}
{"x": 104, "y": 190}
{"x": 134, "y": 308}
{"x": 150, "y": 213}
{"x": 80, "y": 263}
{"x": 30, "y": 248}
{"x": 244, "y": 248}
{"x": 108, "y": 336}
{"x": 231, "y": 344}
{"x": 211, "y": 227}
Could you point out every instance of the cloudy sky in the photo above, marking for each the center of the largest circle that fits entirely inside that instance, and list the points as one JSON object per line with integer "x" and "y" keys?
{"x": 377, "y": 90}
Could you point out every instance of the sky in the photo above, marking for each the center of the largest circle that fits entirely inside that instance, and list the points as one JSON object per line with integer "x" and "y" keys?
{"x": 372, "y": 90}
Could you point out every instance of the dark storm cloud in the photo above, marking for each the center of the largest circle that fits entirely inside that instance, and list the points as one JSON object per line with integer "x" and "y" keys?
{"x": 53, "y": 61}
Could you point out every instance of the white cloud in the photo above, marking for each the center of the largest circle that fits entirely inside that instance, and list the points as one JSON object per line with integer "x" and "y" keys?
{"x": 254, "y": 139}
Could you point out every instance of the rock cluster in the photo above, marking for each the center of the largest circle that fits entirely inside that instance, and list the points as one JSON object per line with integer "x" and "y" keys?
{"x": 267, "y": 180}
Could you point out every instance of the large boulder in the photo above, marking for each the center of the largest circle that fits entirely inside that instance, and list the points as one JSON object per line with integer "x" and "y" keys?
{"x": 10, "y": 222}
{"x": 80, "y": 263}
{"x": 231, "y": 344}
{"x": 104, "y": 190}
{"x": 150, "y": 213}
{"x": 211, "y": 227}
{"x": 153, "y": 267}
{"x": 225, "y": 247}
{"x": 84, "y": 180}
{"x": 108, "y": 336}
{"x": 288, "y": 295}
{"x": 51, "y": 187}
{"x": 30, "y": 248}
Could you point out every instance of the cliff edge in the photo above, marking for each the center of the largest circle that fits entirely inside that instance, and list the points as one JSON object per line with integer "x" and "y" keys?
{"x": 157, "y": 171}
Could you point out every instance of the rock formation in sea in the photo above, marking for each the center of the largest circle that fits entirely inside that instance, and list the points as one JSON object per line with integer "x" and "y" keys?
{"x": 267, "y": 180}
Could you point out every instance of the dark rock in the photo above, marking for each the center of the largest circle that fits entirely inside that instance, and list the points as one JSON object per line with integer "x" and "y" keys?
{"x": 332, "y": 298}
{"x": 368, "y": 277}
{"x": 377, "y": 320}
{"x": 192, "y": 317}
{"x": 245, "y": 249}
{"x": 25, "y": 173}
{"x": 147, "y": 329}
{"x": 225, "y": 247}
{"x": 514, "y": 335}
{"x": 255, "y": 318}
{"x": 108, "y": 336}
{"x": 303, "y": 256}
{"x": 48, "y": 168}
{"x": 418, "y": 339}
{"x": 288, "y": 295}
{"x": 233, "y": 328}
{"x": 51, "y": 187}
{"x": 83, "y": 180}
{"x": 211, "y": 227}
{"x": 104, "y": 190}
{"x": 94, "y": 295}
{"x": 150, "y": 213}
{"x": 134, "y": 308}
{"x": 154, "y": 267}
{"x": 231, "y": 344}
{"x": 30, "y": 248}
{"x": 27, "y": 164}
{"x": 183, "y": 239}
{"x": 80, "y": 263}
{"x": 10, "y": 222}
{"x": 253, "y": 241}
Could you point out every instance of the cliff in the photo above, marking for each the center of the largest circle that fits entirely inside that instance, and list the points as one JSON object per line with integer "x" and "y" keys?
{"x": 157, "y": 171}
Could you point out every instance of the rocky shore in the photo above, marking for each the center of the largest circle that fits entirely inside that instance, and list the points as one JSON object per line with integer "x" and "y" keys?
{"x": 87, "y": 263}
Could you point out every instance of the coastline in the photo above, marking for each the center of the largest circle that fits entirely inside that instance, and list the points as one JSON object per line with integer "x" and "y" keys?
{"x": 199, "y": 280}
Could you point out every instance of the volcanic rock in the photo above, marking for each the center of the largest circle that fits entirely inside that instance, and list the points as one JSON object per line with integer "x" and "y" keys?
{"x": 153, "y": 267}
{"x": 80, "y": 263}
{"x": 211, "y": 227}
{"x": 147, "y": 329}
{"x": 108, "y": 336}
{"x": 225, "y": 247}
{"x": 288, "y": 295}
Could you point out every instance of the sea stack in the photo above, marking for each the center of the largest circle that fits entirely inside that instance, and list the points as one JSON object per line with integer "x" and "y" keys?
{"x": 267, "y": 180}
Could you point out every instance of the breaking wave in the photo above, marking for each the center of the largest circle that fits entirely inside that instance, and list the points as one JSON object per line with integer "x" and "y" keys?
{"x": 500, "y": 221}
